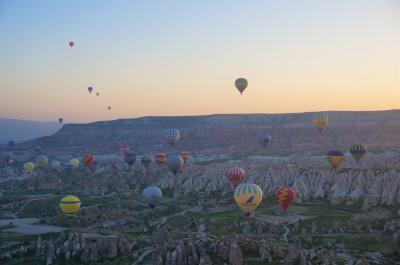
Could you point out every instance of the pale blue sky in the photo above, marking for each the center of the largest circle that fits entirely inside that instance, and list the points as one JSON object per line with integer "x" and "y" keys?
{"x": 182, "y": 57}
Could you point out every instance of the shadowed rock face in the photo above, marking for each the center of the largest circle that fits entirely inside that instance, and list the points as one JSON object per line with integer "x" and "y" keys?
{"x": 229, "y": 134}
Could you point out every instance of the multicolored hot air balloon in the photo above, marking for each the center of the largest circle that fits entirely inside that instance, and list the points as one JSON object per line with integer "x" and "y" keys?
{"x": 248, "y": 197}
{"x": 29, "y": 167}
{"x": 60, "y": 120}
{"x": 175, "y": 163}
{"x": 74, "y": 162}
{"x": 152, "y": 196}
{"x": 185, "y": 155}
{"x": 335, "y": 158}
{"x": 145, "y": 160}
{"x": 236, "y": 175}
{"x": 124, "y": 149}
{"x": 160, "y": 159}
{"x": 71, "y": 44}
{"x": 264, "y": 139}
{"x": 241, "y": 84}
{"x": 90, "y": 89}
{"x": 42, "y": 161}
{"x": 130, "y": 158}
{"x": 172, "y": 136}
{"x": 320, "y": 121}
{"x": 285, "y": 196}
{"x": 358, "y": 151}
{"x": 70, "y": 205}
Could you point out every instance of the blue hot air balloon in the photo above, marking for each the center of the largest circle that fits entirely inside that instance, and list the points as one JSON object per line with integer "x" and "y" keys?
{"x": 152, "y": 196}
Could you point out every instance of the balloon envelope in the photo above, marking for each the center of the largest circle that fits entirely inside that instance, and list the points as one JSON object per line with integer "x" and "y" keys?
{"x": 145, "y": 160}
{"x": 71, "y": 44}
{"x": 174, "y": 163}
{"x": 29, "y": 167}
{"x": 74, "y": 162}
{"x": 70, "y": 205}
{"x": 264, "y": 139}
{"x": 241, "y": 84}
{"x": 55, "y": 164}
{"x": 236, "y": 175}
{"x": 42, "y": 161}
{"x": 248, "y": 197}
{"x": 88, "y": 160}
{"x": 358, "y": 151}
{"x": 172, "y": 135}
{"x": 285, "y": 196}
{"x": 335, "y": 158}
{"x": 160, "y": 159}
{"x": 152, "y": 196}
{"x": 130, "y": 158}
{"x": 320, "y": 121}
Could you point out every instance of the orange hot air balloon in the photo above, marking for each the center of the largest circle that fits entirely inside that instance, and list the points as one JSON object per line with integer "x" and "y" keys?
{"x": 185, "y": 155}
{"x": 285, "y": 196}
{"x": 160, "y": 158}
{"x": 88, "y": 160}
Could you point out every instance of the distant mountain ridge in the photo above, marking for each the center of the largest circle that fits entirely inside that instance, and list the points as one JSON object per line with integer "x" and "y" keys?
{"x": 23, "y": 130}
{"x": 230, "y": 133}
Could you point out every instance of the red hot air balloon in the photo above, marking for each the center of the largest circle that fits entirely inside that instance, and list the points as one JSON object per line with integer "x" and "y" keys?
{"x": 88, "y": 160}
{"x": 236, "y": 175}
{"x": 160, "y": 159}
{"x": 285, "y": 196}
{"x": 124, "y": 149}
{"x": 71, "y": 44}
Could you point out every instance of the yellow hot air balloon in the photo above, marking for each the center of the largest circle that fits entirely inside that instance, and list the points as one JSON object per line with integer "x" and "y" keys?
{"x": 248, "y": 197}
{"x": 320, "y": 121}
{"x": 335, "y": 158}
{"x": 74, "y": 162}
{"x": 70, "y": 205}
{"x": 29, "y": 166}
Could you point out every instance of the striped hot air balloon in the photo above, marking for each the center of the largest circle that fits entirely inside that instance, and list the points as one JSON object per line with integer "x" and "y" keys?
{"x": 358, "y": 151}
{"x": 160, "y": 159}
{"x": 285, "y": 196}
{"x": 70, "y": 205}
{"x": 335, "y": 158}
{"x": 241, "y": 84}
{"x": 248, "y": 197}
{"x": 172, "y": 136}
{"x": 320, "y": 121}
{"x": 236, "y": 175}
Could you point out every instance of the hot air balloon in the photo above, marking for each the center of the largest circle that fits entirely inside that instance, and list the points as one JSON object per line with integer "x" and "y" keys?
{"x": 55, "y": 164}
{"x": 285, "y": 196}
{"x": 90, "y": 89}
{"x": 152, "y": 196}
{"x": 38, "y": 149}
{"x": 185, "y": 155}
{"x": 175, "y": 163}
{"x": 160, "y": 158}
{"x": 172, "y": 135}
{"x": 11, "y": 144}
{"x": 358, "y": 151}
{"x": 70, "y": 205}
{"x": 97, "y": 93}
{"x": 145, "y": 160}
{"x": 88, "y": 160}
{"x": 42, "y": 161}
{"x": 335, "y": 158}
{"x": 115, "y": 168}
{"x": 248, "y": 197}
{"x": 29, "y": 167}
{"x": 264, "y": 139}
{"x": 130, "y": 158}
{"x": 320, "y": 121}
{"x": 236, "y": 175}
{"x": 241, "y": 84}
{"x": 71, "y": 44}
{"x": 124, "y": 149}
{"x": 109, "y": 108}
{"x": 74, "y": 162}
{"x": 60, "y": 120}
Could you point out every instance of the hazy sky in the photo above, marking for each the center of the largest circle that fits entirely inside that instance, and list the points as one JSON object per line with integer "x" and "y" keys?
{"x": 181, "y": 57}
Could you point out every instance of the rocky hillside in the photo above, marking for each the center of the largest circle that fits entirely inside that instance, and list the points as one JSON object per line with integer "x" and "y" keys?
{"x": 229, "y": 134}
